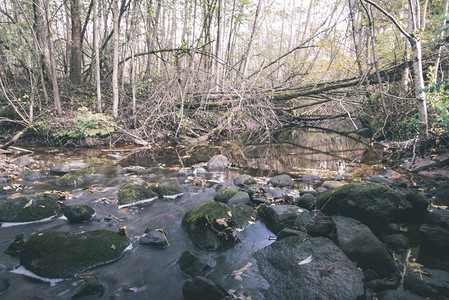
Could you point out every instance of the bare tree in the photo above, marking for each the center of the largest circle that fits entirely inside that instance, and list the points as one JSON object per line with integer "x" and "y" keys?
{"x": 251, "y": 39}
{"x": 115, "y": 91}
{"x": 75, "y": 55}
{"x": 97, "y": 56}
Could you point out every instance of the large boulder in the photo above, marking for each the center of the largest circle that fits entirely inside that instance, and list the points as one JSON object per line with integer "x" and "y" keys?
{"x": 278, "y": 217}
{"x": 218, "y": 163}
{"x": 28, "y": 209}
{"x": 372, "y": 203}
{"x": 437, "y": 217}
{"x": 78, "y": 213}
{"x": 241, "y": 198}
{"x": 312, "y": 268}
{"x": 134, "y": 191}
{"x": 434, "y": 240}
{"x": 360, "y": 245}
{"x": 429, "y": 283}
{"x": 314, "y": 223}
{"x": 281, "y": 181}
{"x": 54, "y": 254}
{"x": 198, "y": 220}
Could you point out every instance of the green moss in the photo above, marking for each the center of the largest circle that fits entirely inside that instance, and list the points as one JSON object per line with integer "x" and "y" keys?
{"x": 54, "y": 254}
{"x": 223, "y": 195}
{"x": 133, "y": 191}
{"x": 27, "y": 209}
{"x": 168, "y": 188}
{"x": 203, "y": 236}
{"x": 67, "y": 180}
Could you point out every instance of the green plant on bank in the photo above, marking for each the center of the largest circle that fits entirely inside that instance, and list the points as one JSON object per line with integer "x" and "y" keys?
{"x": 83, "y": 124}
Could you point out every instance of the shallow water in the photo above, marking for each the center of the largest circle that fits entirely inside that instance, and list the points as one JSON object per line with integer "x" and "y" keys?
{"x": 149, "y": 273}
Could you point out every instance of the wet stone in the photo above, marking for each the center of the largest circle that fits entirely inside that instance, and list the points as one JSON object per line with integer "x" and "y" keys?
{"x": 4, "y": 285}
{"x": 136, "y": 170}
{"x": 77, "y": 165}
{"x": 397, "y": 295}
{"x": 244, "y": 181}
{"x": 434, "y": 240}
{"x": 23, "y": 161}
{"x": 114, "y": 156}
{"x": 30, "y": 175}
{"x": 15, "y": 247}
{"x": 278, "y": 217}
{"x": 381, "y": 179}
{"x": 218, "y": 163}
{"x": 281, "y": 181}
{"x": 241, "y": 198}
{"x": 29, "y": 208}
{"x": 225, "y": 194}
{"x": 59, "y": 169}
{"x": 154, "y": 238}
{"x": 396, "y": 241}
{"x": 310, "y": 178}
{"x": 431, "y": 283}
{"x": 306, "y": 201}
{"x": 195, "y": 264}
{"x": 379, "y": 285}
{"x": 68, "y": 180}
{"x": 333, "y": 184}
{"x": 4, "y": 179}
{"x": 91, "y": 287}
{"x": 78, "y": 213}
{"x": 202, "y": 288}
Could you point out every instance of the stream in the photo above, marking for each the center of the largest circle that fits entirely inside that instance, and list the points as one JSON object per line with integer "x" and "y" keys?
{"x": 149, "y": 273}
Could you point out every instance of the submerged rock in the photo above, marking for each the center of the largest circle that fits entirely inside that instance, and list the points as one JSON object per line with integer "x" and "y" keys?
{"x": 206, "y": 237}
{"x": 200, "y": 288}
{"x": 430, "y": 283}
{"x": 195, "y": 264}
{"x": 91, "y": 287}
{"x": 78, "y": 213}
{"x": 136, "y": 170}
{"x": 4, "y": 285}
{"x": 134, "y": 191}
{"x": 59, "y": 169}
{"x": 372, "y": 203}
{"x": 23, "y": 161}
{"x": 218, "y": 163}
{"x": 224, "y": 194}
{"x": 333, "y": 184}
{"x": 16, "y": 246}
{"x": 27, "y": 209}
{"x": 281, "y": 181}
{"x": 67, "y": 180}
{"x": 54, "y": 254}
{"x": 114, "y": 156}
{"x": 312, "y": 268}
{"x": 154, "y": 238}
{"x": 30, "y": 175}
{"x": 360, "y": 245}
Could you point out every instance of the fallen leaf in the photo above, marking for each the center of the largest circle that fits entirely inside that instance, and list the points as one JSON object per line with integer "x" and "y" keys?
{"x": 230, "y": 213}
{"x": 239, "y": 273}
{"x": 28, "y": 203}
{"x": 306, "y": 261}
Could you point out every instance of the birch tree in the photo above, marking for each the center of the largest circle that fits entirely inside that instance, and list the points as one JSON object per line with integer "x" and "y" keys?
{"x": 115, "y": 94}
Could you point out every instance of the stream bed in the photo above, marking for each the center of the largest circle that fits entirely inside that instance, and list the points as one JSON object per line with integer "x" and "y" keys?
{"x": 150, "y": 273}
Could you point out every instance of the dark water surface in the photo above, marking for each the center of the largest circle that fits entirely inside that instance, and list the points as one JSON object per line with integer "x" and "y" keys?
{"x": 149, "y": 273}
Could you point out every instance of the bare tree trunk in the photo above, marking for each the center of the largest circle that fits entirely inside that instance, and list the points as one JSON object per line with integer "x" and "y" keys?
{"x": 75, "y": 56}
{"x": 437, "y": 61}
{"x": 115, "y": 91}
{"x": 54, "y": 78}
{"x": 97, "y": 57}
{"x": 41, "y": 29}
{"x": 251, "y": 39}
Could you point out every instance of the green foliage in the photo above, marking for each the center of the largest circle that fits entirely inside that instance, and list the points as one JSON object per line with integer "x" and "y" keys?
{"x": 438, "y": 98}
{"x": 83, "y": 124}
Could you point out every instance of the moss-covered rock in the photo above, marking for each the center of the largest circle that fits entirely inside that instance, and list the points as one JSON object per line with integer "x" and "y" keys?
{"x": 202, "y": 235}
{"x": 168, "y": 188}
{"x": 78, "y": 213}
{"x": 67, "y": 180}
{"x": 27, "y": 209}
{"x": 134, "y": 191}
{"x": 374, "y": 204}
{"x": 223, "y": 195}
{"x": 54, "y": 254}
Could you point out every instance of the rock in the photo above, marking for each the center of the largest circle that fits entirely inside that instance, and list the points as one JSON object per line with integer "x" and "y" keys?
{"x": 29, "y": 175}
{"x": 434, "y": 240}
{"x": 134, "y": 191}
{"x": 364, "y": 132}
{"x": 15, "y": 247}
{"x": 400, "y": 184}
{"x": 199, "y": 170}
{"x": 311, "y": 192}
{"x": 381, "y": 179}
{"x": 200, "y": 288}
{"x": 360, "y": 245}
{"x": 441, "y": 194}
{"x": 23, "y": 161}
{"x": 241, "y": 198}
{"x": 155, "y": 238}
{"x": 419, "y": 203}
{"x": 372, "y": 203}
{"x": 397, "y": 295}
{"x": 218, "y": 163}
{"x": 183, "y": 172}
{"x": 59, "y": 169}
{"x": 329, "y": 275}
{"x": 431, "y": 283}
{"x": 195, "y": 264}
{"x": 310, "y": 178}
{"x": 277, "y": 217}
{"x": 379, "y": 285}
{"x": 78, "y": 213}
{"x": 333, "y": 184}
{"x": 396, "y": 241}
{"x": 286, "y": 232}
{"x": 92, "y": 287}
{"x": 281, "y": 181}
{"x": 392, "y": 228}
{"x": 321, "y": 190}
{"x": 68, "y": 180}
{"x": 437, "y": 217}
{"x": 4, "y": 285}
{"x": 136, "y": 170}
{"x": 306, "y": 201}
{"x": 168, "y": 188}
{"x": 244, "y": 181}
{"x": 114, "y": 156}
{"x": 205, "y": 237}
{"x": 54, "y": 254}
{"x": 223, "y": 195}
{"x": 5, "y": 179}
{"x": 27, "y": 209}
{"x": 77, "y": 165}
{"x": 314, "y": 223}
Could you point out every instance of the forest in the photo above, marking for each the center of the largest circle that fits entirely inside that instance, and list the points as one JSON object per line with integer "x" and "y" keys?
{"x": 76, "y": 71}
